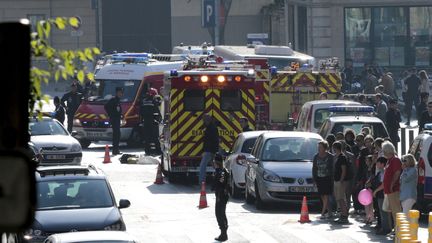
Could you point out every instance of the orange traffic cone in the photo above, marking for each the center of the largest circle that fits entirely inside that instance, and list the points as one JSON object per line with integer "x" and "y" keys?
{"x": 304, "y": 215}
{"x": 107, "y": 158}
{"x": 159, "y": 178}
{"x": 203, "y": 198}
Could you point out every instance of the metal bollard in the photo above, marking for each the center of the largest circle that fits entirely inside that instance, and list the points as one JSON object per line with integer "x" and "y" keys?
{"x": 414, "y": 216}
{"x": 403, "y": 141}
{"x": 410, "y": 137}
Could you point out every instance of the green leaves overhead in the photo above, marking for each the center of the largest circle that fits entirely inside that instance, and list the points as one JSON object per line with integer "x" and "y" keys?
{"x": 65, "y": 64}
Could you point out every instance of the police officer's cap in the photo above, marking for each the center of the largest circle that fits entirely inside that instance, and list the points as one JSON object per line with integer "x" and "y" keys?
{"x": 119, "y": 89}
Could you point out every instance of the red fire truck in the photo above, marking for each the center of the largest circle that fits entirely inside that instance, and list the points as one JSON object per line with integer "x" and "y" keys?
{"x": 135, "y": 73}
{"x": 227, "y": 95}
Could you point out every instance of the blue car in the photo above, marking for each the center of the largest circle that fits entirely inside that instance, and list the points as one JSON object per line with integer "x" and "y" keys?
{"x": 73, "y": 198}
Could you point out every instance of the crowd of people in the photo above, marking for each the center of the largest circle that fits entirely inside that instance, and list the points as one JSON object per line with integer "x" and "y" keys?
{"x": 347, "y": 163}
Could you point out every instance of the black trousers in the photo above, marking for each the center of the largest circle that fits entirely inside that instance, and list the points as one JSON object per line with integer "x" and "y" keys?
{"x": 115, "y": 124}
{"x": 70, "y": 118}
{"x": 221, "y": 202}
{"x": 411, "y": 99}
{"x": 151, "y": 136}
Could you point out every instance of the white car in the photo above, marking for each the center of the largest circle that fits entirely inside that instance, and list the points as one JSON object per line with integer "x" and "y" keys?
{"x": 421, "y": 148}
{"x": 91, "y": 236}
{"x": 57, "y": 146}
{"x": 314, "y": 113}
{"x": 235, "y": 163}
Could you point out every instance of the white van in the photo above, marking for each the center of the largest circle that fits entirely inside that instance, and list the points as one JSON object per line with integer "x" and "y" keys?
{"x": 314, "y": 113}
{"x": 421, "y": 148}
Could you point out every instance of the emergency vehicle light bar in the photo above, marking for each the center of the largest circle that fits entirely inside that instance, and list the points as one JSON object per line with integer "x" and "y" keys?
{"x": 428, "y": 126}
{"x": 365, "y": 109}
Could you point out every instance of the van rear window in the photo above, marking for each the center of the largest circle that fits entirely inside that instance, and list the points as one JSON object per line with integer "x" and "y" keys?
{"x": 230, "y": 100}
{"x": 193, "y": 100}
{"x": 377, "y": 129}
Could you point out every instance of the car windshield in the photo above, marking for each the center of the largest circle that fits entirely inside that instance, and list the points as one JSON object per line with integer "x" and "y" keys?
{"x": 106, "y": 89}
{"x": 320, "y": 116}
{"x": 70, "y": 194}
{"x": 46, "y": 127}
{"x": 377, "y": 129}
{"x": 290, "y": 149}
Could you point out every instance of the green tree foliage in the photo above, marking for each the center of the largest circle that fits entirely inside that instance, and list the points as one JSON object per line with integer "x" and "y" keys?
{"x": 66, "y": 64}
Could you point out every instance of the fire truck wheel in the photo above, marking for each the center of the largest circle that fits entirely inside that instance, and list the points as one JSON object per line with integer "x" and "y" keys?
{"x": 84, "y": 143}
{"x": 235, "y": 191}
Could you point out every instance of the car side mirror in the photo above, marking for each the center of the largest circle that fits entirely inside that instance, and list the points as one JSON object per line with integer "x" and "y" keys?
{"x": 17, "y": 191}
{"x": 74, "y": 133}
{"x": 124, "y": 203}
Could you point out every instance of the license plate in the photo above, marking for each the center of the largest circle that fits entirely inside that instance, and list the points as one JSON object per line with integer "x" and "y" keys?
{"x": 95, "y": 134}
{"x": 302, "y": 189}
{"x": 56, "y": 156}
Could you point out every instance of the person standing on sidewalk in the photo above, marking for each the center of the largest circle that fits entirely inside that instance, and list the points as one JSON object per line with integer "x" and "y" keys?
{"x": 385, "y": 226}
{"x": 71, "y": 101}
{"x": 408, "y": 183}
{"x": 393, "y": 118}
{"x": 341, "y": 176}
{"x": 412, "y": 84}
{"x": 210, "y": 146}
{"x": 114, "y": 112}
{"x": 221, "y": 189}
{"x": 322, "y": 171}
{"x": 391, "y": 183}
{"x": 426, "y": 117}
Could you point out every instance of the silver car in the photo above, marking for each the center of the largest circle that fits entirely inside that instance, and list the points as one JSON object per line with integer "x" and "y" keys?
{"x": 280, "y": 168}
{"x": 54, "y": 142}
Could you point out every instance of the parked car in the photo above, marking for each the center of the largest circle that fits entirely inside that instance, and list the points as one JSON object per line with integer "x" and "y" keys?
{"x": 91, "y": 237}
{"x": 55, "y": 143}
{"x": 235, "y": 163}
{"x": 280, "y": 168}
{"x": 314, "y": 113}
{"x": 421, "y": 149}
{"x": 73, "y": 198}
{"x": 337, "y": 124}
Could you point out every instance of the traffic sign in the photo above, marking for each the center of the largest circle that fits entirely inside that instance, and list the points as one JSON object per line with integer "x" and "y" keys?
{"x": 208, "y": 13}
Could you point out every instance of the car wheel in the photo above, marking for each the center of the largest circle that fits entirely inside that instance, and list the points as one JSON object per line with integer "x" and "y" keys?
{"x": 248, "y": 197}
{"x": 235, "y": 191}
{"x": 259, "y": 204}
{"x": 85, "y": 143}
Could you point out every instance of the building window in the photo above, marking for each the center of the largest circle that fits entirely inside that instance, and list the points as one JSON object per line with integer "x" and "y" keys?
{"x": 34, "y": 18}
{"x": 421, "y": 34}
{"x": 358, "y": 35}
{"x": 389, "y": 36}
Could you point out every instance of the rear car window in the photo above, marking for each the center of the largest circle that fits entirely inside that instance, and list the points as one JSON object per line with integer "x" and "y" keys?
{"x": 70, "y": 194}
{"x": 377, "y": 129}
{"x": 290, "y": 149}
{"x": 248, "y": 145}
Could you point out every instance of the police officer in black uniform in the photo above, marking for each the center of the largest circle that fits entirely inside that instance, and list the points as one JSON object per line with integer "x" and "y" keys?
{"x": 150, "y": 117}
{"x": 220, "y": 186}
{"x": 114, "y": 111}
{"x": 71, "y": 101}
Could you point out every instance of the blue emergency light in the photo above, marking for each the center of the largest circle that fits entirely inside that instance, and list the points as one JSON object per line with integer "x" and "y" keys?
{"x": 358, "y": 109}
{"x": 273, "y": 70}
{"x": 428, "y": 126}
{"x": 173, "y": 73}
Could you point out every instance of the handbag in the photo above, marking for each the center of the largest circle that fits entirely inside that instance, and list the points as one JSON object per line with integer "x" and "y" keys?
{"x": 386, "y": 204}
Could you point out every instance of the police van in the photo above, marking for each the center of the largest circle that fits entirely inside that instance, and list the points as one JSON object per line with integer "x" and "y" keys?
{"x": 355, "y": 118}
{"x": 421, "y": 148}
